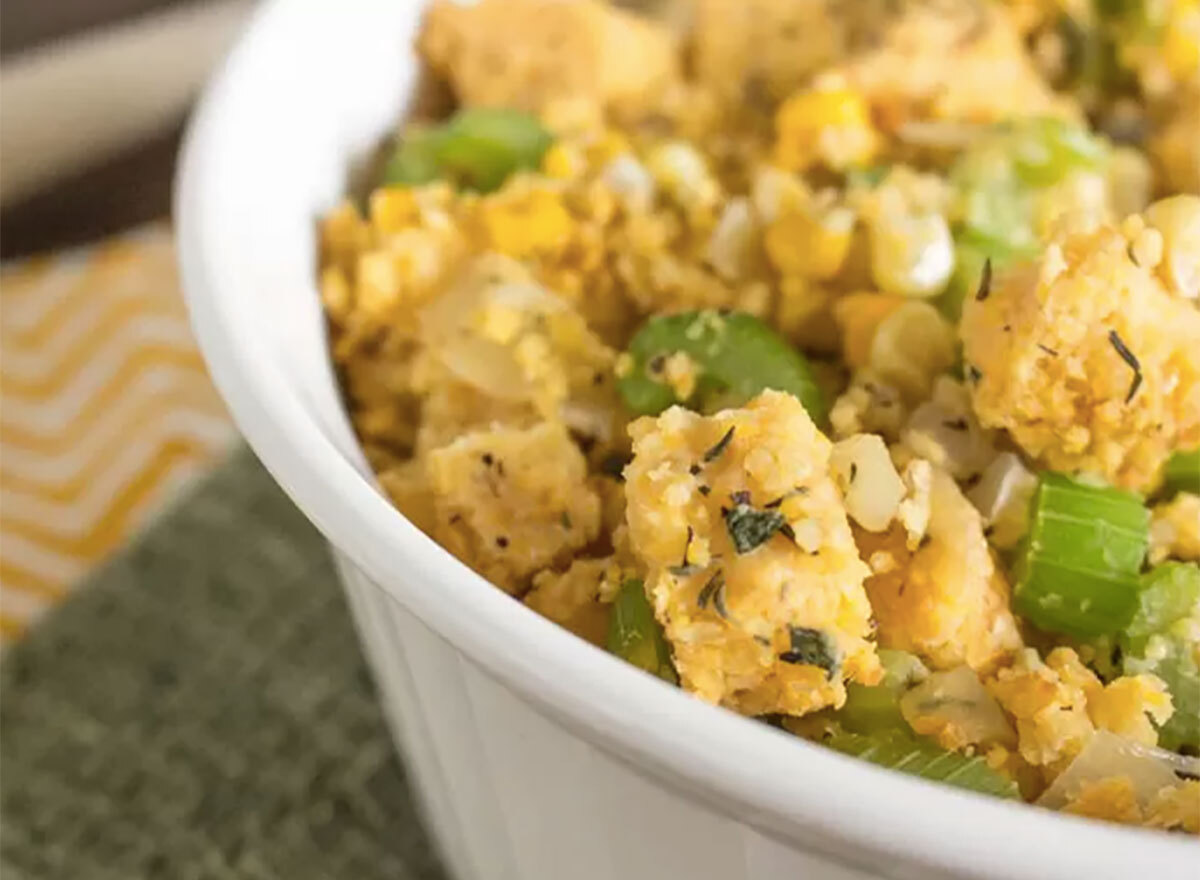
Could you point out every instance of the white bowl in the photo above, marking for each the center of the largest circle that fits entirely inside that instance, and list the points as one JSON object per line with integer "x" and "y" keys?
{"x": 536, "y": 755}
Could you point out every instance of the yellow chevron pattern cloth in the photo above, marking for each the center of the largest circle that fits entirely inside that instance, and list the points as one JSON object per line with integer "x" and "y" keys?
{"x": 105, "y": 410}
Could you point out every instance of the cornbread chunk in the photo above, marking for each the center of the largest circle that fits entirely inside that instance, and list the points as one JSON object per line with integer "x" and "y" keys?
{"x": 945, "y": 601}
{"x": 579, "y": 598}
{"x": 944, "y": 61}
{"x": 760, "y": 50}
{"x": 1059, "y": 704}
{"x": 1176, "y": 146}
{"x": 1175, "y": 529}
{"x": 512, "y": 501}
{"x": 1087, "y": 360}
{"x": 525, "y": 53}
{"x": 751, "y": 566}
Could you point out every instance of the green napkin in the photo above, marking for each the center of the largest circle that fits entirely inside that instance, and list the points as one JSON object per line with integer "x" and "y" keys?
{"x": 200, "y": 709}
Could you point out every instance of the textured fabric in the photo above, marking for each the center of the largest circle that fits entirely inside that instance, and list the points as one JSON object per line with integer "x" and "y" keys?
{"x": 105, "y": 410}
{"x": 200, "y": 709}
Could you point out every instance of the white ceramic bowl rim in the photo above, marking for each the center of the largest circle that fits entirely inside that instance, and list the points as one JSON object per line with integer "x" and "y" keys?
{"x": 754, "y": 772}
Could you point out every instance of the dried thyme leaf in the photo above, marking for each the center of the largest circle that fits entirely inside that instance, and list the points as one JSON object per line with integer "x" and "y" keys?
{"x": 985, "y": 281}
{"x": 722, "y": 444}
{"x": 811, "y": 647}
{"x": 1129, "y": 358}
{"x": 685, "y": 568}
{"x": 714, "y": 592}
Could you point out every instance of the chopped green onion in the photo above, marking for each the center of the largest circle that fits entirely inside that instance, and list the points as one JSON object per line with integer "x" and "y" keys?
{"x": 897, "y": 750}
{"x": 1161, "y": 640}
{"x": 478, "y": 148}
{"x": 737, "y": 357}
{"x": 634, "y": 635}
{"x": 1183, "y": 472}
{"x": 1077, "y": 572}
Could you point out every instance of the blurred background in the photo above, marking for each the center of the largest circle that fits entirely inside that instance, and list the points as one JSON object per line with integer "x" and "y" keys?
{"x": 105, "y": 408}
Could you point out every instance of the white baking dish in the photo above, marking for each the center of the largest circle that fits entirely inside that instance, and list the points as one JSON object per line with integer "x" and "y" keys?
{"x": 537, "y": 756}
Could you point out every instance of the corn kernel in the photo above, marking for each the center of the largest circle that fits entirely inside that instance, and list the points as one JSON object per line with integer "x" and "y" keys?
{"x": 532, "y": 222}
{"x": 562, "y": 162}
{"x": 810, "y": 245}
{"x": 1181, "y": 43}
{"x": 858, "y": 315}
{"x": 911, "y": 254}
{"x": 831, "y": 126}
{"x": 392, "y": 209}
{"x": 378, "y": 282}
{"x": 804, "y": 315}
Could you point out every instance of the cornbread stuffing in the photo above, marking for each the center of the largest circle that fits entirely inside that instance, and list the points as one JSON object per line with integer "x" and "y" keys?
{"x": 838, "y": 363}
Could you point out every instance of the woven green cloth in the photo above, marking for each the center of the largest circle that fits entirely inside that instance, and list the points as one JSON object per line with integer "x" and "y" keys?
{"x": 200, "y": 709}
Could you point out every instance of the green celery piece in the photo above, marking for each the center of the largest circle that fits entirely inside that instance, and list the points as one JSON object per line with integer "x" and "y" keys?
{"x": 634, "y": 635}
{"x": 1046, "y": 150}
{"x": 414, "y": 161}
{"x": 481, "y": 146}
{"x": 1077, "y": 572}
{"x": 1161, "y": 640}
{"x": 1183, "y": 472}
{"x": 738, "y": 356}
{"x": 1169, "y": 593}
{"x": 872, "y": 708}
{"x": 1179, "y": 671}
{"x": 477, "y": 148}
{"x": 898, "y": 750}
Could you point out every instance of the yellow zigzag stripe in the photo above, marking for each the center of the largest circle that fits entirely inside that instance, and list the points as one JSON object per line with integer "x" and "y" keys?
{"x": 188, "y": 362}
{"x": 110, "y": 526}
{"x": 100, "y": 269}
{"x": 158, "y": 408}
{"x": 148, "y": 354}
{"x": 105, "y": 402}
{"x": 16, "y": 577}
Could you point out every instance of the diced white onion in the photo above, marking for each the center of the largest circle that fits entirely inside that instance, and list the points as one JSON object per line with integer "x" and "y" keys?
{"x": 1107, "y": 755}
{"x": 958, "y": 698}
{"x": 632, "y": 183}
{"x": 863, "y": 470}
{"x": 1002, "y": 497}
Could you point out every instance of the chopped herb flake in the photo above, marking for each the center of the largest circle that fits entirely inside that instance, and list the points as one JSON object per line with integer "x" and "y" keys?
{"x": 1050, "y": 351}
{"x": 956, "y": 424}
{"x": 985, "y": 281}
{"x": 799, "y": 490}
{"x": 705, "y": 490}
{"x": 714, "y": 592}
{"x": 974, "y": 373}
{"x": 722, "y": 444}
{"x": 749, "y": 528}
{"x": 685, "y": 568}
{"x": 1129, "y": 358}
{"x": 811, "y": 647}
